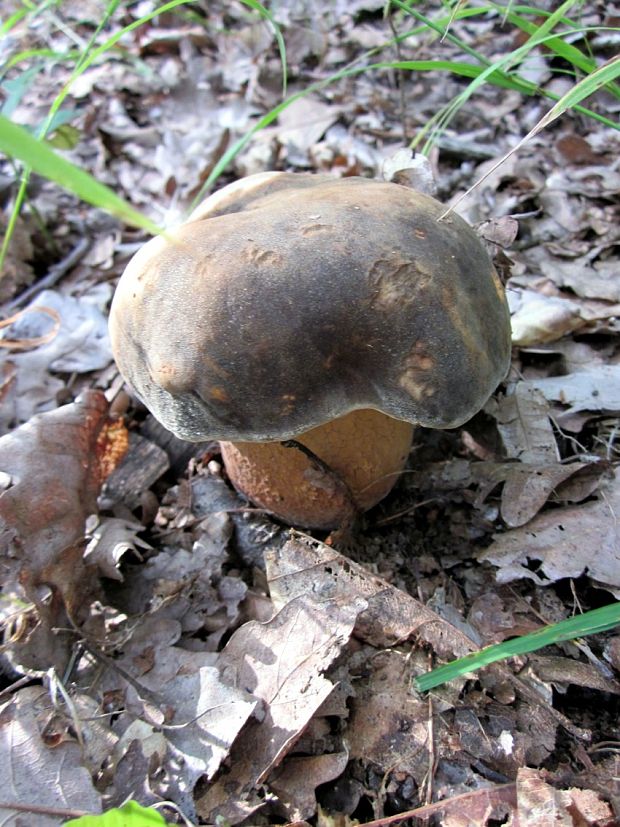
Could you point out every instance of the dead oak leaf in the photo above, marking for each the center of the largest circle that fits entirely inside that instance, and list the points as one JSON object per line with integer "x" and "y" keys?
{"x": 296, "y": 780}
{"x": 568, "y": 542}
{"x": 280, "y": 663}
{"x": 109, "y": 539}
{"x": 54, "y": 466}
{"x": 305, "y": 566}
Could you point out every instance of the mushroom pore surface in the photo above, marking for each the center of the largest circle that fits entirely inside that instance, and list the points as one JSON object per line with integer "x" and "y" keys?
{"x": 333, "y": 311}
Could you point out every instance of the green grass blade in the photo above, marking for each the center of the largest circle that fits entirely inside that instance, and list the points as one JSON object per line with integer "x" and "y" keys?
{"x": 590, "y": 623}
{"x": 51, "y": 54}
{"x": 441, "y": 120}
{"x": 464, "y": 69}
{"x": 604, "y": 74}
{"x": 18, "y": 143}
{"x": 12, "y": 21}
{"x": 265, "y": 13}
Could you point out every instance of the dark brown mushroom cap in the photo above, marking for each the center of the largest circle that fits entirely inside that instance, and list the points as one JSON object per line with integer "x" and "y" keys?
{"x": 288, "y": 300}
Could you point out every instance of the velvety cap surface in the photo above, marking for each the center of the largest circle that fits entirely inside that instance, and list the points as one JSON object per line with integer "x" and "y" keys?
{"x": 289, "y": 299}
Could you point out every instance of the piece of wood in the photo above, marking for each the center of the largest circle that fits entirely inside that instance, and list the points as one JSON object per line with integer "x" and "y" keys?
{"x": 143, "y": 464}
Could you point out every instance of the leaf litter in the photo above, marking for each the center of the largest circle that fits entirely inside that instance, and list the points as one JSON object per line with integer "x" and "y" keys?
{"x": 180, "y": 646}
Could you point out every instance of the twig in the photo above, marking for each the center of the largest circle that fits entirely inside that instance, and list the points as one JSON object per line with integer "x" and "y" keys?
{"x": 41, "y": 810}
{"x": 340, "y": 485}
{"x": 429, "y": 809}
{"x": 55, "y": 273}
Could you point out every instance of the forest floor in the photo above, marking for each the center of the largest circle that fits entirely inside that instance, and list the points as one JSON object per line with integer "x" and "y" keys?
{"x": 167, "y": 643}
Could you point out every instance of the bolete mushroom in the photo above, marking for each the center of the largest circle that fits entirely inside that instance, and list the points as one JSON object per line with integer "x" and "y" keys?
{"x": 335, "y": 313}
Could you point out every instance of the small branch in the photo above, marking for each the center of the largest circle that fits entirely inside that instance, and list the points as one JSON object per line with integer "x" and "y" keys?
{"x": 55, "y": 273}
{"x": 41, "y": 810}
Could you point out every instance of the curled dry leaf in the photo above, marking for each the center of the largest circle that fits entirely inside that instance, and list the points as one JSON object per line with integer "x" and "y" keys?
{"x": 108, "y": 540}
{"x": 54, "y": 465}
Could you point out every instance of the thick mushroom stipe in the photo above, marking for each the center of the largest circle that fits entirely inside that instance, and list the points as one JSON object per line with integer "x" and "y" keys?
{"x": 366, "y": 450}
{"x": 290, "y": 300}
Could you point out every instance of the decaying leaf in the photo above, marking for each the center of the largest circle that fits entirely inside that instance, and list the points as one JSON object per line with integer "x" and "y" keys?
{"x": 597, "y": 389}
{"x": 537, "y": 318}
{"x": 296, "y": 780}
{"x": 109, "y": 539}
{"x": 389, "y": 725}
{"x": 524, "y": 425}
{"x": 566, "y": 542}
{"x": 304, "y": 566}
{"x": 55, "y": 464}
{"x": 183, "y": 695}
{"x": 538, "y": 803}
{"x": 280, "y": 663}
{"x": 35, "y": 772}
{"x": 528, "y": 487}
{"x": 80, "y": 345}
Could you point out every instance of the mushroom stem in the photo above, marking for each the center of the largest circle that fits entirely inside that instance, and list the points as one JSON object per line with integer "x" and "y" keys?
{"x": 362, "y": 452}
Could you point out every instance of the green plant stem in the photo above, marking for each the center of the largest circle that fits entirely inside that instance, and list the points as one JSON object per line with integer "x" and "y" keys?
{"x": 598, "y": 620}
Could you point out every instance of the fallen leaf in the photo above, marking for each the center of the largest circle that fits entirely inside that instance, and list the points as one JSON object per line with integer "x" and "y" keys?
{"x": 524, "y": 425}
{"x": 80, "y": 345}
{"x": 389, "y": 725}
{"x": 36, "y": 774}
{"x": 596, "y": 389}
{"x": 539, "y": 804}
{"x": 565, "y": 542}
{"x": 537, "y": 318}
{"x": 305, "y": 566}
{"x": 75, "y": 445}
{"x": 109, "y": 539}
{"x": 564, "y": 671}
{"x": 279, "y": 663}
{"x": 296, "y": 781}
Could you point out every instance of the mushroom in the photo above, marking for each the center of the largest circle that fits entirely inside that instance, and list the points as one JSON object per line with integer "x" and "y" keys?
{"x": 308, "y": 323}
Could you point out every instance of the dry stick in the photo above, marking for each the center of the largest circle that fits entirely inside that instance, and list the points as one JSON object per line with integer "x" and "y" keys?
{"x": 429, "y": 809}
{"x": 41, "y": 810}
{"x": 55, "y": 273}
{"x": 340, "y": 485}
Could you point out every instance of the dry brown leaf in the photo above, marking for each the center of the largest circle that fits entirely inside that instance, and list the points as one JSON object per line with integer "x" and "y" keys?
{"x": 389, "y": 725}
{"x": 596, "y": 389}
{"x": 568, "y": 542}
{"x": 296, "y": 780}
{"x": 527, "y": 488}
{"x": 109, "y": 539}
{"x": 279, "y": 663}
{"x": 563, "y": 671}
{"x": 35, "y": 772}
{"x": 524, "y": 425}
{"x": 54, "y": 467}
{"x": 183, "y": 695}
{"x": 537, "y": 318}
{"x": 306, "y": 566}
{"x": 541, "y": 805}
